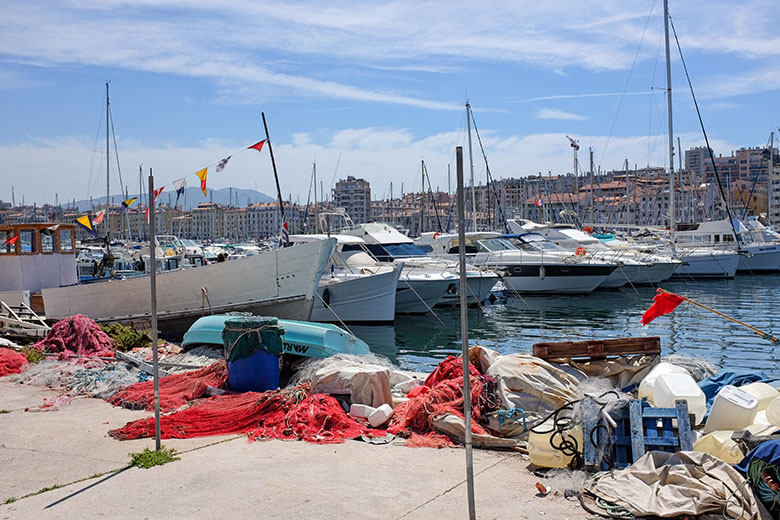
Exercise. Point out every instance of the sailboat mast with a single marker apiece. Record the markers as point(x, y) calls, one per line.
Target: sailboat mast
point(471, 168)
point(771, 175)
point(316, 204)
point(672, 214)
point(108, 163)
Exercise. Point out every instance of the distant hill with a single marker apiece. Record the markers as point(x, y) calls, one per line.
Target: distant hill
point(191, 198)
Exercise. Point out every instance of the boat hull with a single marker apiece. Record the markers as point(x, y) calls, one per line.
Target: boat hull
point(278, 283)
point(708, 265)
point(760, 259)
point(419, 295)
point(359, 299)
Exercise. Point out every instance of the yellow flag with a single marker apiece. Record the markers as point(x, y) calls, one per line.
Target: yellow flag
point(86, 222)
point(202, 176)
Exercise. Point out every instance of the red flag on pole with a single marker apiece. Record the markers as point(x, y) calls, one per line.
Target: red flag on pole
point(257, 146)
point(663, 303)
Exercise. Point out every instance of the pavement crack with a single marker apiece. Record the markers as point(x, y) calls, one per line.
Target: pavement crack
point(483, 470)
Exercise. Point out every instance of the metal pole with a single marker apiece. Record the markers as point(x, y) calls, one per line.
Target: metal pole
point(771, 190)
point(672, 214)
point(108, 163)
point(464, 334)
point(153, 281)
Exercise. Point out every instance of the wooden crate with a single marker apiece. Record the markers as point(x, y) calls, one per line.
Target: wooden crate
point(598, 348)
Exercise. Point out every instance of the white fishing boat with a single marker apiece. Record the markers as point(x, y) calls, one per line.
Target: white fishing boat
point(352, 292)
point(278, 283)
point(527, 271)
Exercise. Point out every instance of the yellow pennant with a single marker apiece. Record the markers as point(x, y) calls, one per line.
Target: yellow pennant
point(202, 176)
point(86, 222)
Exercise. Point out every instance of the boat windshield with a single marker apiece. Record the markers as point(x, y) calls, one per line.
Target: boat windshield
point(536, 242)
point(489, 245)
point(404, 250)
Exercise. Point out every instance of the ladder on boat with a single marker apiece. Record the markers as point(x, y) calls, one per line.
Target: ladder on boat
point(21, 320)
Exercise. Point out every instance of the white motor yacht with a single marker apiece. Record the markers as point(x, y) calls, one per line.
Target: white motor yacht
point(527, 271)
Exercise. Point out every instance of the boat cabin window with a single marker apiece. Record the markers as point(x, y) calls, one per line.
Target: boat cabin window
point(728, 238)
point(716, 239)
point(27, 240)
point(470, 250)
point(6, 248)
point(494, 244)
point(66, 240)
point(47, 241)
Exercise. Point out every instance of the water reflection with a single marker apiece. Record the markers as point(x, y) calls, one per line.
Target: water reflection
point(420, 342)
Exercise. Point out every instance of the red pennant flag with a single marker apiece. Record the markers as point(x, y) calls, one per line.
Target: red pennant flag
point(11, 240)
point(156, 194)
point(663, 303)
point(257, 146)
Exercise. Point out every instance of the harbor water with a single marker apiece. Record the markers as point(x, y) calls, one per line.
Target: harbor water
point(420, 342)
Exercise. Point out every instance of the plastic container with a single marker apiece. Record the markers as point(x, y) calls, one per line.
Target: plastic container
point(732, 409)
point(380, 416)
point(361, 410)
point(670, 387)
point(251, 344)
point(408, 385)
point(541, 452)
point(719, 443)
point(765, 393)
point(773, 412)
point(647, 384)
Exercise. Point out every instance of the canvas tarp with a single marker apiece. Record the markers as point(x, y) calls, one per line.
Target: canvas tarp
point(525, 383)
point(683, 483)
point(621, 372)
point(365, 383)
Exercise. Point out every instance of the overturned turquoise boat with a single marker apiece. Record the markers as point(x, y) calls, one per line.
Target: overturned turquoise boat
point(301, 338)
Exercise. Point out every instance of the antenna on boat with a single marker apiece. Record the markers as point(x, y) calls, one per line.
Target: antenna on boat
point(273, 164)
point(464, 333)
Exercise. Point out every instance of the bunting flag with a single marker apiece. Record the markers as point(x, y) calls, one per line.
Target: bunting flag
point(202, 176)
point(663, 303)
point(49, 231)
point(11, 240)
point(223, 163)
point(257, 146)
point(129, 202)
point(539, 203)
point(85, 221)
point(99, 218)
point(284, 235)
point(154, 201)
point(179, 185)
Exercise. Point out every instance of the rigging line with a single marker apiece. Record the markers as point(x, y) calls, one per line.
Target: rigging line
point(335, 171)
point(116, 154)
point(489, 177)
point(94, 146)
point(706, 139)
point(755, 181)
point(433, 200)
point(628, 81)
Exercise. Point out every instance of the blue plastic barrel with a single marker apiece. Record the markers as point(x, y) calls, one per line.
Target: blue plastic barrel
point(251, 344)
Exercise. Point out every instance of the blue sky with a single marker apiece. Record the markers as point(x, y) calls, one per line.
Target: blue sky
point(367, 89)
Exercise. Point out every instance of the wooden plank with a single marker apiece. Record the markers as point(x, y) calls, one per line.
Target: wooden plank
point(637, 426)
point(590, 418)
point(598, 348)
point(684, 426)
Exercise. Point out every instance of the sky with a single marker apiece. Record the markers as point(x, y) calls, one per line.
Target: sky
point(368, 89)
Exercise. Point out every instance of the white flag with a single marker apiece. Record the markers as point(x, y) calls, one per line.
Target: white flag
point(223, 163)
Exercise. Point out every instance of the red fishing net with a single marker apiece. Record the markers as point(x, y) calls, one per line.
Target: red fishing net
point(413, 418)
point(175, 390)
point(11, 362)
point(276, 414)
point(77, 335)
point(450, 368)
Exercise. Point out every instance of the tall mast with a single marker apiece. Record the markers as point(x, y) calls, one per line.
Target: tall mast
point(471, 168)
point(592, 199)
point(316, 207)
point(771, 190)
point(422, 196)
point(108, 162)
point(628, 197)
point(669, 116)
point(682, 184)
point(273, 164)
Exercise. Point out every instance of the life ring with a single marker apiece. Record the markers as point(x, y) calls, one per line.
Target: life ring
point(580, 251)
point(436, 235)
point(588, 229)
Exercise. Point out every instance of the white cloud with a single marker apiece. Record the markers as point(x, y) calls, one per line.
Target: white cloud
point(554, 113)
point(69, 167)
